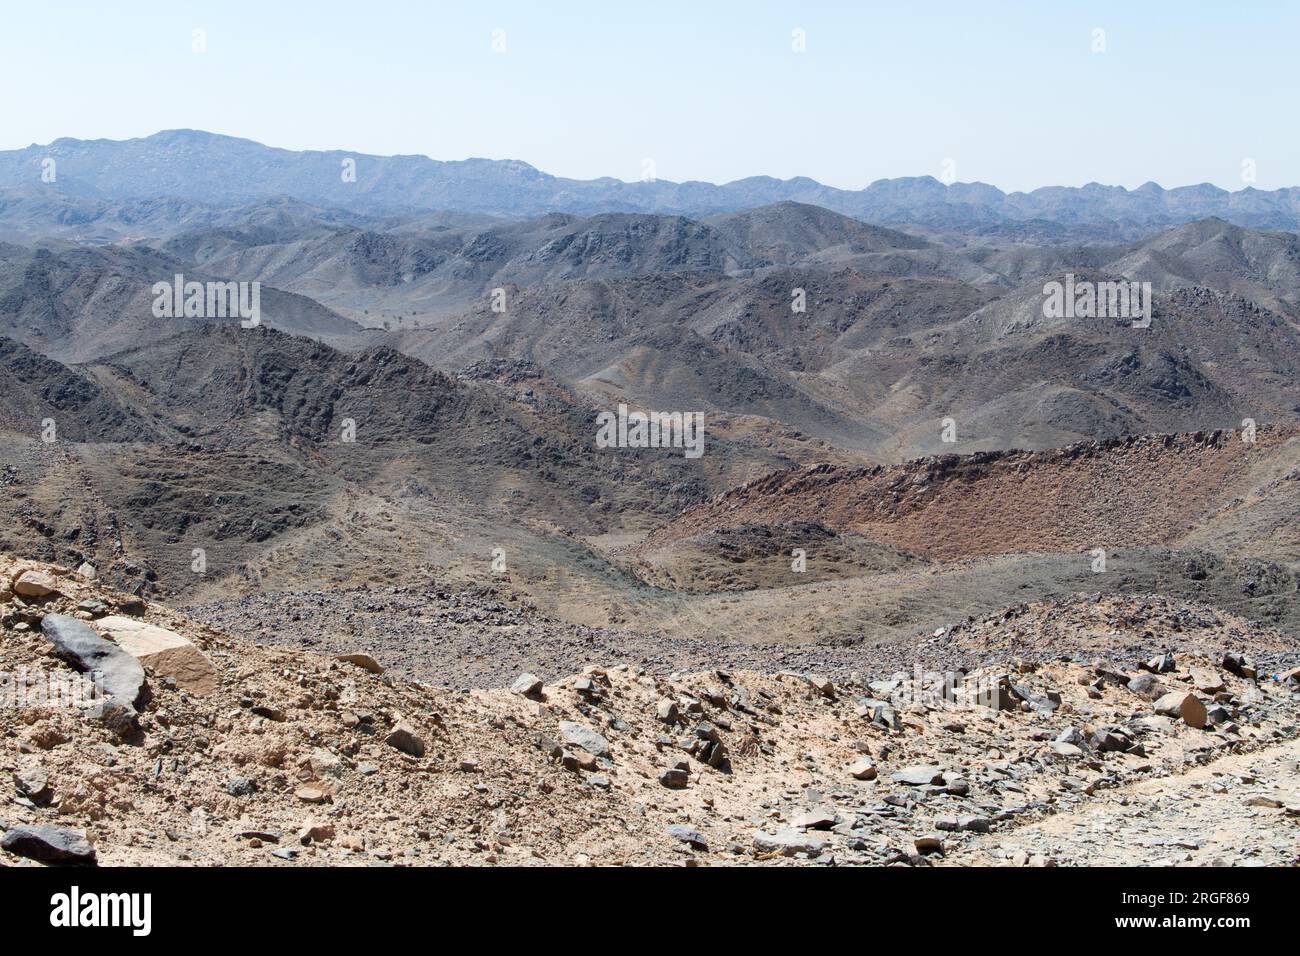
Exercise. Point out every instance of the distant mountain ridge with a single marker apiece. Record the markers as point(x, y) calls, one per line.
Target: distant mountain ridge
point(208, 168)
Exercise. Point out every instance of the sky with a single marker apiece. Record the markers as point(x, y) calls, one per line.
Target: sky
point(1019, 95)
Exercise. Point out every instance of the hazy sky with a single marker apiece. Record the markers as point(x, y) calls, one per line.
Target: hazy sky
point(1011, 92)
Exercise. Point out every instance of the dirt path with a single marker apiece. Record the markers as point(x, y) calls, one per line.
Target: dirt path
point(1214, 815)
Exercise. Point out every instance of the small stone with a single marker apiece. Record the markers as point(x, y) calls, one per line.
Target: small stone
point(1206, 681)
point(815, 819)
point(33, 783)
point(1147, 686)
point(1162, 664)
point(87, 571)
point(311, 795)
point(863, 769)
point(404, 738)
point(674, 778)
point(666, 711)
point(931, 843)
point(527, 685)
point(315, 832)
point(240, 787)
point(695, 838)
point(1267, 802)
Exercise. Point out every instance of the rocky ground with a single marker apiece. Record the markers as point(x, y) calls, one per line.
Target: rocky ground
point(1178, 744)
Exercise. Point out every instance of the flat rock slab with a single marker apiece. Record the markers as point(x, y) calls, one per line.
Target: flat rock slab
point(165, 652)
point(919, 776)
point(121, 675)
point(49, 844)
point(364, 661)
point(679, 831)
point(788, 842)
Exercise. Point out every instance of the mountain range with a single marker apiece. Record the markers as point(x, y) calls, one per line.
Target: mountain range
point(112, 186)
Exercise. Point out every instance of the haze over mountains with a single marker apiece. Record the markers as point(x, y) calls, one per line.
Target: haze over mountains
point(110, 185)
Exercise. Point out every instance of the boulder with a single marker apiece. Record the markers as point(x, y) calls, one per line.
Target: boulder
point(404, 738)
point(674, 778)
point(528, 685)
point(49, 844)
point(1147, 686)
point(1180, 703)
point(580, 735)
point(164, 652)
point(36, 584)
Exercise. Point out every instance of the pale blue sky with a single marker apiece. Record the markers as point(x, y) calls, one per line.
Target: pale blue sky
point(710, 90)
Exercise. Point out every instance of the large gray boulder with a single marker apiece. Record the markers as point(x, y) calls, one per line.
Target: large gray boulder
point(49, 844)
point(119, 674)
